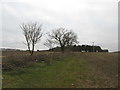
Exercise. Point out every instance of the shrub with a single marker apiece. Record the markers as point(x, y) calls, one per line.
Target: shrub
point(16, 62)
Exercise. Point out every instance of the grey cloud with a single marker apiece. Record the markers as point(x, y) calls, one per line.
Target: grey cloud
point(93, 21)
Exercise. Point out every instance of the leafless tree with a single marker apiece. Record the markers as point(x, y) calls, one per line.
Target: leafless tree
point(63, 37)
point(49, 43)
point(32, 33)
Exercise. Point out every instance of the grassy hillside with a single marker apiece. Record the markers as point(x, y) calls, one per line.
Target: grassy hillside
point(73, 70)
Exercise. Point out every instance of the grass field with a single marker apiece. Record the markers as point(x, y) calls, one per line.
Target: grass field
point(73, 70)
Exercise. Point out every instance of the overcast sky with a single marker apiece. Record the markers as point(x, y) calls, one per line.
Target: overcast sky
point(93, 20)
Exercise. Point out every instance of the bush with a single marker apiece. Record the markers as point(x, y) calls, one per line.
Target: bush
point(16, 62)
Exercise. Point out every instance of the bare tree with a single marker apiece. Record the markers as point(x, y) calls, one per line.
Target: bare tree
point(63, 37)
point(32, 33)
point(70, 38)
point(49, 43)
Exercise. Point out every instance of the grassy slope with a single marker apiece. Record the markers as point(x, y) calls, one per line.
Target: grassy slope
point(79, 70)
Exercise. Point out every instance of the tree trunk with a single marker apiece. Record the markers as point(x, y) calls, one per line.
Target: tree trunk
point(29, 48)
point(62, 49)
point(32, 50)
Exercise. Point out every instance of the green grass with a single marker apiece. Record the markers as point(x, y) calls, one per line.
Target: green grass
point(80, 70)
